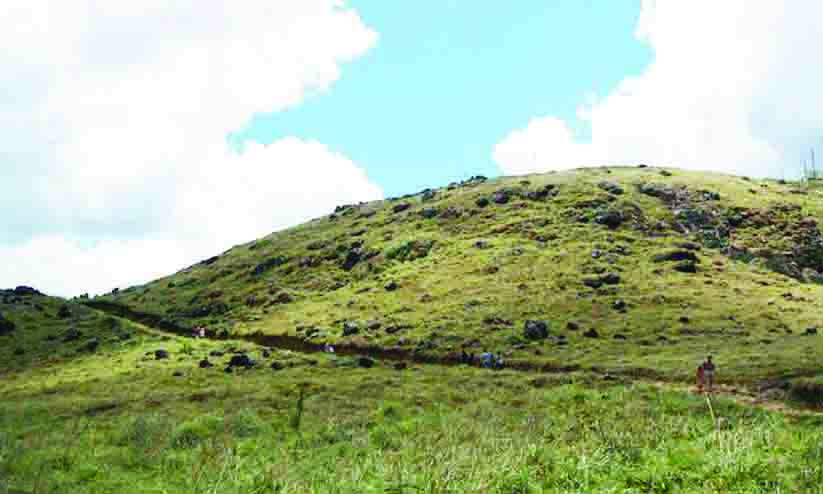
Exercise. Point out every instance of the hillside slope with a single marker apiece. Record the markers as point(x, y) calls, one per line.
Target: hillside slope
point(616, 267)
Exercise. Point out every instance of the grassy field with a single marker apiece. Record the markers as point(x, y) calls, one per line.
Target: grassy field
point(120, 421)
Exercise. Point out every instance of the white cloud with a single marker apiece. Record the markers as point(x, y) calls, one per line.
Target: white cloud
point(733, 87)
point(115, 117)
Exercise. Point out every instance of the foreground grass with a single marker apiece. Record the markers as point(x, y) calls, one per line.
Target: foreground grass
point(121, 422)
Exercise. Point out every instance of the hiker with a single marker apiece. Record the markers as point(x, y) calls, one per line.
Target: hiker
point(202, 332)
point(499, 361)
point(701, 378)
point(486, 360)
point(708, 372)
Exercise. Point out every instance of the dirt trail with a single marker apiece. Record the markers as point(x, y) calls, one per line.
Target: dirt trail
point(161, 326)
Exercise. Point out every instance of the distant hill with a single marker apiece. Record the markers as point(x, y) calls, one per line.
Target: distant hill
point(622, 267)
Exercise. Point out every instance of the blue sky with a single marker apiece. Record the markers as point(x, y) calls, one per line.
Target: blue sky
point(448, 79)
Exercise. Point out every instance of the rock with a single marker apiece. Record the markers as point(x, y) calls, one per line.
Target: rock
point(592, 282)
point(536, 330)
point(596, 253)
point(269, 263)
point(391, 286)
point(684, 319)
point(216, 353)
point(708, 195)
point(350, 328)
point(810, 331)
point(620, 305)
point(619, 336)
point(428, 195)
point(401, 366)
point(491, 269)
point(205, 364)
point(481, 244)
point(451, 212)
point(686, 267)
point(501, 197)
point(177, 374)
point(690, 246)
point(676, 255)
point(399, 208)
point(283, 298)
point(352, 258)
point(277, 366)
point(6, 327)
point(91, 345)
point(572, 326)
point(591, 333)
point(610, 278)
point(241, 360)
point(666, 173)
point(482, 202)
point(429, 213)
point(161, 354)
point(360, 232)
point(365, 362)
point(373, 325)
point(611, 219)
point(228, 370)
point(610, 187)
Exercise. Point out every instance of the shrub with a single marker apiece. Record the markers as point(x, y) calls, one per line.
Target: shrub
point(194, 432)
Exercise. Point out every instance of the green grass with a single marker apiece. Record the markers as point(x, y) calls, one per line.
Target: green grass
point(538, 254)
point(127, 427)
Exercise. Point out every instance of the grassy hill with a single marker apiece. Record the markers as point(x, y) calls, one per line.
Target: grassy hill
point(621, 278)
point(637, 270)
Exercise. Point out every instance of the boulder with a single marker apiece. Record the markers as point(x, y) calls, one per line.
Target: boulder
point(352, 258)
point(266, 353)
point(686, 267)
point(429, 213)
point(177, 373)
point(161, 354)
point(810, 331)
point(592, 282)
point(572, 326)
point(676, 255)
point(544, 192)
point(451, 212)
point(399, 208)
point(611, 278)
point(501, 197)
point(350, 328)
point(481, 244)
point(611, 219)
point(591, 333)
point(216, 353)
point(482, 202)
point(619, 336)
point(610, 187)
point(373, 325)
point(241, 360)
point(277, 366)
point(620, 305)
point(360, 232)
point(205, 364)
point(391, 286)
point(428, 195)
point(536, 330)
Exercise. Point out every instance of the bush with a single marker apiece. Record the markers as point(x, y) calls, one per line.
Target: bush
point(194, 432)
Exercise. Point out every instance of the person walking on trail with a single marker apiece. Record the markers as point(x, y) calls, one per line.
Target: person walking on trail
point(701, 378)
point(486, 360)
point(708, 372)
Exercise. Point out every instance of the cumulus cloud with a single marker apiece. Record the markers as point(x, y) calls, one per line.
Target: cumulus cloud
point(115, 166)
point(733, 87)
